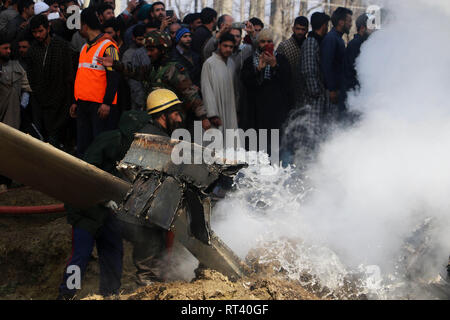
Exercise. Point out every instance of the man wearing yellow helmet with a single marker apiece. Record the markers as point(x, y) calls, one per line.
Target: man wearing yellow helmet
point(162, 117)
point(166, 110)
point(149, 245)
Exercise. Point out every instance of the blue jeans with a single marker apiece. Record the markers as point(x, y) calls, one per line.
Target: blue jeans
point(110, 254)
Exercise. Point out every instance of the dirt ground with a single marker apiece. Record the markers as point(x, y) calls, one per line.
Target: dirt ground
point(25, 197)
point(35, 249)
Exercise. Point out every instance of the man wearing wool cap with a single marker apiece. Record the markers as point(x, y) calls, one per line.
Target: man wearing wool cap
point(183, 54)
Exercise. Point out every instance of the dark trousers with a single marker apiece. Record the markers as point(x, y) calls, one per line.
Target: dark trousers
point(110, 256)
point(46, 122)
point(89, 124)
point(149, 249)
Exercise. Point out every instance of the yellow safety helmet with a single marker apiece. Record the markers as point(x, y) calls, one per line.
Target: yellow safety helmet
point(160, 100)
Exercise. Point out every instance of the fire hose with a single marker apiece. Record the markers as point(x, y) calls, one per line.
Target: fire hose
point(32, 210)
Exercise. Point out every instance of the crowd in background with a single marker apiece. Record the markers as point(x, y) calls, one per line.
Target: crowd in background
point(88, 91)
point(227, 74)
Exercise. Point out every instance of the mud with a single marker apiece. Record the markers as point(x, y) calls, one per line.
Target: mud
point(34, 251)
point(24, 197)
point(211, 285)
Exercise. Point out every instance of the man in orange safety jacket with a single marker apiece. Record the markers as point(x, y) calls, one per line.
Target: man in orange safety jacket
point(95, 104)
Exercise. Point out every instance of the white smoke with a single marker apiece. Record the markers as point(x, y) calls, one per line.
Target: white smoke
point(374, 182)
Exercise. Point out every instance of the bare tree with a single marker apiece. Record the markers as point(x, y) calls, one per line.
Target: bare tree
point(217, 4)
point(288, 13)
point(183, 7)
point(242, 10)
point(261, 9)
point(276, 20)
point(253, 9)
point(227, 7)
point(303, 8)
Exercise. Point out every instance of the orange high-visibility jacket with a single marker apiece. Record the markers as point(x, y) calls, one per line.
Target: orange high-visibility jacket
point(90, 83)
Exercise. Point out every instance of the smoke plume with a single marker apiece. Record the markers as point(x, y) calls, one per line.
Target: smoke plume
point(374, 182)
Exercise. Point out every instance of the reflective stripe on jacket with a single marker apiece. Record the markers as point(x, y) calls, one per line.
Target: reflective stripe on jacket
point(90, 83)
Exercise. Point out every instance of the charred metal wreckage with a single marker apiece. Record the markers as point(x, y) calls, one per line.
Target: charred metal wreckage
point(172, 197)
point(177, 198)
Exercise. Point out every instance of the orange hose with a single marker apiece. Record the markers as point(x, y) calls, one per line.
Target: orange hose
point(24, 211)
point(32, 210)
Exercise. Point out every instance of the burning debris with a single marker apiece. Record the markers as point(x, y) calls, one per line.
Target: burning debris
point(177, 198)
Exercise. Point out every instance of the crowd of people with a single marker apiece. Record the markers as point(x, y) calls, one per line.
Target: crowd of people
point(88, 91)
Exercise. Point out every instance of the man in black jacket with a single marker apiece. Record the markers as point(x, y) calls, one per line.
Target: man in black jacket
point(50, 72)
point(350, 78)
point(19, 25)
point(183, 54)
point(205, 31)
point(332, 50)
point(352, 53)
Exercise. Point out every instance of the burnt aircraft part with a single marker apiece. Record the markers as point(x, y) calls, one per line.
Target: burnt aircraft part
point(215, 256)
point(166, 203)
point(198, 215)
point(150, 152)
point(143, 190)
point(56, 173)
point(192, 223)
point(153, 200)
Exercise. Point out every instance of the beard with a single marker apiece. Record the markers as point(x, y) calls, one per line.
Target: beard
point(172, 126)
point(5, 58)
point(186, 46)
point(365, 36)
point(42, 40)
point(226, 54)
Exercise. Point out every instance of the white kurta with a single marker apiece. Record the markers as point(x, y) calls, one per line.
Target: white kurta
point(218, 91)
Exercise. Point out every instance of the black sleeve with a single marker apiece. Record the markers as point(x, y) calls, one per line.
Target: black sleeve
point(284, 76)
point(112, 85)
point(250, 75)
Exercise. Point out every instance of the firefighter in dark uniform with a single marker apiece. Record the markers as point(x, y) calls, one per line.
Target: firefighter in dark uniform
point(164, 115)
point(149, 245)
